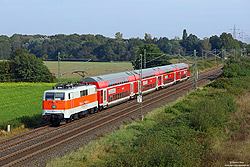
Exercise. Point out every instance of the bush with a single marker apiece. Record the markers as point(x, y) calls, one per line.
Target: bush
point(162, 145)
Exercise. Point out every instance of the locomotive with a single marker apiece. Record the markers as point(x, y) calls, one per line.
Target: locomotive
point(67, 102)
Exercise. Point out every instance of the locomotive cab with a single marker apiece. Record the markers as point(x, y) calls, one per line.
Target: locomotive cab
point(69, 103)
point(54, 104)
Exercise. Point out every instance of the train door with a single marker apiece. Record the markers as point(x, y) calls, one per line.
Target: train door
point(157, 80)
point(71, 97)
point(132, 91)
point(159, 83)
point(136, 87)
point(105, 97)
point(162, 80)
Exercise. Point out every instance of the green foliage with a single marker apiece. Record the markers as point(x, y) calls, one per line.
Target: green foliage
point(211, 111)
point(248, 48)
point(100, 48)
point(152, 54)
point(161, 146)
point(237, 68)
point(184, 35)
point(27, 68)
point(5, 47)
point(5, 71)
point(235, 77)
point(21, 103)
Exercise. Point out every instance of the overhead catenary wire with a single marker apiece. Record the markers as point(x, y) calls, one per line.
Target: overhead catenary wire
point(76, 67)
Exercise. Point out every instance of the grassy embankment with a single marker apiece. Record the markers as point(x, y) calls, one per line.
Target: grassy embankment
point(21, 104)
point(208, 127)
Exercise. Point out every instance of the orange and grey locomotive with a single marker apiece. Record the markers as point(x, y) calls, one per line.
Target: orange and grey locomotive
point(67, 102)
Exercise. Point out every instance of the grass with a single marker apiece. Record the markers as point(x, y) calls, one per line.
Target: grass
point(233, 143)
point(21, 103)
point(92, 68)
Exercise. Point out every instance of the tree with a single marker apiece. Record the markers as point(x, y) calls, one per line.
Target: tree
point(191, 43)
point(215, 42)
point(227, 41)
point(16, 41)
point(5, 47)
point(148, 38)
point(5, 71)
point(27, 68)
point(118, 36)
point(152, 52)
point(206, 45)
point(164, 45)
point(248, 48)
point(184, 35)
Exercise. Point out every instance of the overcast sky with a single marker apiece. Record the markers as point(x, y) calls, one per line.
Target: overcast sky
point(133, 18)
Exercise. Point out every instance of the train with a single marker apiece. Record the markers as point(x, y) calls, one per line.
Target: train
point(68, 102)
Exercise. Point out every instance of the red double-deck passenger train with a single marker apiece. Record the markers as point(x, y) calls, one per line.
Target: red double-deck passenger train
point(92, 94)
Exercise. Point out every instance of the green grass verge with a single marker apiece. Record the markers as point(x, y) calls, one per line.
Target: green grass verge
point(21, 103)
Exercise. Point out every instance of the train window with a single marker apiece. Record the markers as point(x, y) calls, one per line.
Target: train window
point(101, 92)
point(118, 95)
point(86, 92)
point(59, 96)
point(109, 98)
point(54, 96)
point(83, 93)
point(49, 96)
point(69, 95)
point(115, 96)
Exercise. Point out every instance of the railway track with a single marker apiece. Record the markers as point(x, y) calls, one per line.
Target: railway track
point(12, 155)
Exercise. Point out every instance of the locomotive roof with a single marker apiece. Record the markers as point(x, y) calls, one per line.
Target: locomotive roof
point(145, 72)
point(70, 89)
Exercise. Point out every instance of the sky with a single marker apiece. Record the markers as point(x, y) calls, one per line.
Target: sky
point(133, 18)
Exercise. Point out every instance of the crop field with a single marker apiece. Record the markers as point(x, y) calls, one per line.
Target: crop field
point(92, 68)
point(21, 100)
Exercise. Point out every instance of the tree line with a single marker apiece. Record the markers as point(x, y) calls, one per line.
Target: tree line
point(26, 52)
point(101, 48)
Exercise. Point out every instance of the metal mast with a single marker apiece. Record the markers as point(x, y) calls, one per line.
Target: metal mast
point(59, 68)
point(195, 72)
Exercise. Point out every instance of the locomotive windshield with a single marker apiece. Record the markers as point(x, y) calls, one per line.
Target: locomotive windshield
point(54, 96)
